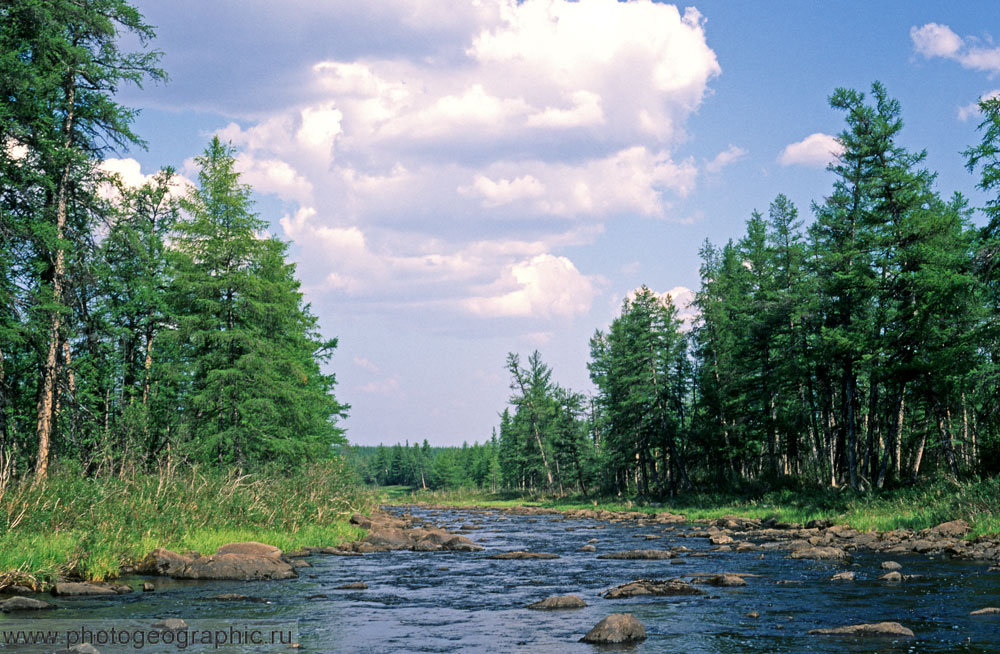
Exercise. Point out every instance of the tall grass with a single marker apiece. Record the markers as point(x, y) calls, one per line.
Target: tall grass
point(73, 525)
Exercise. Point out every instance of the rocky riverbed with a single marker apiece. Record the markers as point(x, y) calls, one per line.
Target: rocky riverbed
point(437, 579)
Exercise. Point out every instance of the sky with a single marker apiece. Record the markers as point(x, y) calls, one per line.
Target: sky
point(459, 180)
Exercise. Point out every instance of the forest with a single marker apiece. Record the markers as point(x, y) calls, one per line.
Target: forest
point(859, 351)
point(138, 325)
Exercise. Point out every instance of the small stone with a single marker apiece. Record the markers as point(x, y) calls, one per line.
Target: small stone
point(989, 610)
point(753, 614)
point(616, 628)
point(357, 585)
point(148, 587)
point(170, 624)
point(558, 602)
point(587, 548)
point(83, 648)
point(891, 577)
point(891, 565)
point(523, 555)
point(877, 629)
point(847, 575)
point(726, 580)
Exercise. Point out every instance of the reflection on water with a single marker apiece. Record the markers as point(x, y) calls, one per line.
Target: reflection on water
point(462, 602)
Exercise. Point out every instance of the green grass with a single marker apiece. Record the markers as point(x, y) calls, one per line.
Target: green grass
point(89, 527)
point(916, 507)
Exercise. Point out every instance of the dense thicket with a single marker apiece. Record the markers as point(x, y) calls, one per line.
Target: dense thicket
point(862, 351)
point(134, 323)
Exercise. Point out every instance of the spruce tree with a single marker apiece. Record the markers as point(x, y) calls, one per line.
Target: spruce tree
point(257, 393)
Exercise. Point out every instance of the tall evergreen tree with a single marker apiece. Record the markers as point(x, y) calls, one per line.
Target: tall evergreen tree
point(257, 394)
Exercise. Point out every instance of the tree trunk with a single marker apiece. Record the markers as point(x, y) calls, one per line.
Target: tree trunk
point(50, 370)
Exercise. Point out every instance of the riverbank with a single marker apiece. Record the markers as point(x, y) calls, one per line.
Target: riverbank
point(72, 526)
point(915, 508)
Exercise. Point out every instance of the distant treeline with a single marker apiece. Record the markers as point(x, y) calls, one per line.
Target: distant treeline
point(425, 467)
point(862, 351)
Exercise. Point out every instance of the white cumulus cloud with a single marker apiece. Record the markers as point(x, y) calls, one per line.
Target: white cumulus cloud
point(935, 40)
point(971, 110)
point(541, 287)
point(730, 155)
point(816, 150)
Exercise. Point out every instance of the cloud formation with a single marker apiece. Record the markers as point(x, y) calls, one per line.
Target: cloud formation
point(816, 151)
point(935, 40)
point(730, 155)
point(971, 110)
point(455, 178)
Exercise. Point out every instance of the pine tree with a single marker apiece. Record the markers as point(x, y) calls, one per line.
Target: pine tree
point(257, 394)
point(60, 65)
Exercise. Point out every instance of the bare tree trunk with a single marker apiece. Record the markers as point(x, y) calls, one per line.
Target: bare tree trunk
point(50, 371)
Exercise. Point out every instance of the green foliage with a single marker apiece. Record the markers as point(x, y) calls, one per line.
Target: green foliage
point(250, 346)
point(91, 526)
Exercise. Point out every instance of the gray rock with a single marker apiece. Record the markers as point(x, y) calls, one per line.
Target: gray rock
point(245, 567)
point(558, 602)
point(891, 565)
point(587, 548)
point(24, 604)
point(953, 529)
point(83, 648)
point(639, 555)
point(847, 575)
point(726, 580)
point(170, 624)
point(640, 587)
point(79, 588)
point(884, 629)
point(148, 587)
point(523, 555)
point(820, 553)
point(162, 562)
point(616, 628)
point(891, 577)
point(989, 610)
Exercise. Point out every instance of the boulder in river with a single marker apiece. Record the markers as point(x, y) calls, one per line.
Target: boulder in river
point(989, 610)
point(250, 561)
point(660, 588)
point(726, 580)
point(639, 555)
point(558, 602)
point(80, 588)
point(523, 555)
point(24, 604)
point(883, 629)
point(162, 562)
point(587, 548)
point(820, 554)
point(891, 577)
point(846, 575)
point(616, 628)
point(890, 565)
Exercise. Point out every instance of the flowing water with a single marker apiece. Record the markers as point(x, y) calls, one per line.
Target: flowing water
point(462, 602)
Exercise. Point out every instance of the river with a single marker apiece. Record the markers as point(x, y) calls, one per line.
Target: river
point(463, 602)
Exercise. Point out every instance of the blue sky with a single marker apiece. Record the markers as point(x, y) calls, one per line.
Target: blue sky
point(459, 180)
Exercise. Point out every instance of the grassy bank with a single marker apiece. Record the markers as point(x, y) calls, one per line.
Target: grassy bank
point(905, 508)
point(72, 525)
